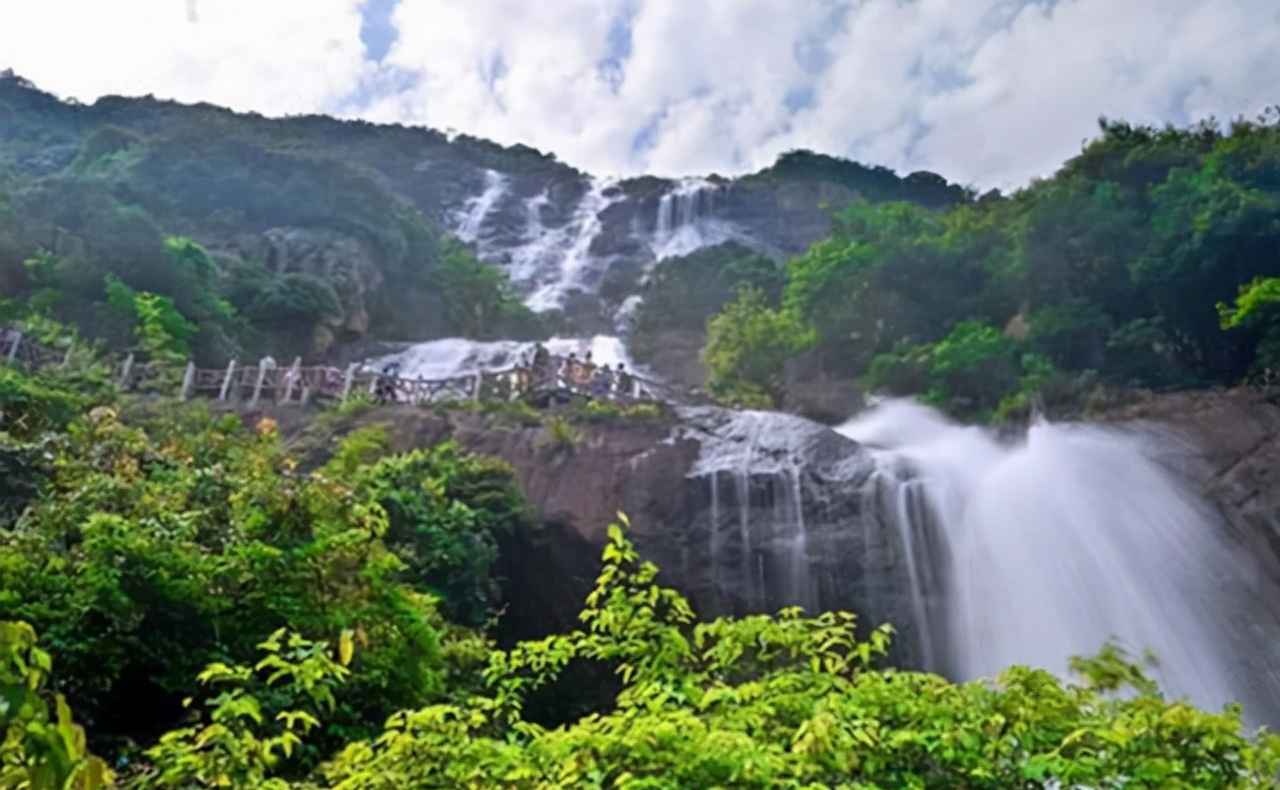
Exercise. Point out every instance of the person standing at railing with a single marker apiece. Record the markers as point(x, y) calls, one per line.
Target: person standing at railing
point(385, 390)
point(522, 376)
point(542, 372)
point(601, 382)
point(586, 374)
point(623, 382)
point(569, 371)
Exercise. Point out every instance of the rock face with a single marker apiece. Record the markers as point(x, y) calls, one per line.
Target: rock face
point(343, 261)
point(742, 511)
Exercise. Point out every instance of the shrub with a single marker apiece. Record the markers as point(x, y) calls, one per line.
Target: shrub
point(43, 747)
point(446, 510)
point(559, 434)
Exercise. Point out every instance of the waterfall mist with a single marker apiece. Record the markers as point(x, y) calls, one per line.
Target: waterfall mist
point(1039, 549)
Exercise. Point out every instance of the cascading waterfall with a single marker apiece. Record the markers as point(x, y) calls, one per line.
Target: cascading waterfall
point(544, 263)
point(685, 203)
point(574, 257)
point(686, 221)
point(1062, 541)
point(471, 218)
point(798, 572)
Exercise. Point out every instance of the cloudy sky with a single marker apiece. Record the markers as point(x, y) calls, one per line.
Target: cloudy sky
point(986, 92)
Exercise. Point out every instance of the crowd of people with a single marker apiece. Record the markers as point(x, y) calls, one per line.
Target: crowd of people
point(538, 372)
point(580, 375)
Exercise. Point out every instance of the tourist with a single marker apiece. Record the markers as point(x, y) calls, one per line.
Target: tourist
point(601, 382)
point(522, 376)
point(540, 372)
point(385, 389)
point(569, 370)
point(623, 382)
point(586, 372)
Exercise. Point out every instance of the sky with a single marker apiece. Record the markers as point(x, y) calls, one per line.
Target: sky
point(989, 93)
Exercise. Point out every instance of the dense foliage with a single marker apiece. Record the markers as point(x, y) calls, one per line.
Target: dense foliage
point(760, 701)
point(144, 548)
point(445, 510)
point(299, 241)
point(682, 292)
point(1111, 272)
point(747, 345)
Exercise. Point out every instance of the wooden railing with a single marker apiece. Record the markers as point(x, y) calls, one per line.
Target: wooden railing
point(297, 384)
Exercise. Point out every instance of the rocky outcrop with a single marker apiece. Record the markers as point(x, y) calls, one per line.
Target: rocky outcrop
point(343, 262)
point(742, 511)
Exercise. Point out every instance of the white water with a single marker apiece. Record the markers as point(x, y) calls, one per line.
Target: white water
point(1057, 543)
point(551, 258)
point(471, 218)
point(686, 219)
point(545, 263)
point(570, 248)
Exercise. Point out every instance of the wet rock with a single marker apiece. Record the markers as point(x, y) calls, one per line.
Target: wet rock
point(742, 511)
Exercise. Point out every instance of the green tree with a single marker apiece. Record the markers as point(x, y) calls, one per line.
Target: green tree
point(1257, 309)
point(748, 343)
point(446, 512)
point(161, 332)
point(478, 299)
point(967, 373)
point(154, 551)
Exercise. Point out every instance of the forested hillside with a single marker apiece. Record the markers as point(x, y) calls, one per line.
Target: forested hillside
point(263, 235)
point(1149, 260)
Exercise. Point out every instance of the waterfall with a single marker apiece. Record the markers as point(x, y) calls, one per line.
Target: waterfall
point(690, 199)
point(574, 248)
point(544, 263)
point(685, 220)
point(472, 216)
point(754, 464)
point(1057, 543)
point(742, 480)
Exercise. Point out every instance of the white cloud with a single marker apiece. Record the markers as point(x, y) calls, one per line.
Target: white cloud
point(993, 94)
point(280, 57)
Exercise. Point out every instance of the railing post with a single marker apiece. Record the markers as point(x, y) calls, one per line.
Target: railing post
point(226, 380)
point(16, 340)
point(263, 365)
point(188, 381)
point(479, 382)
point(295, 372)
point(125, 370)
point(348, 381)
